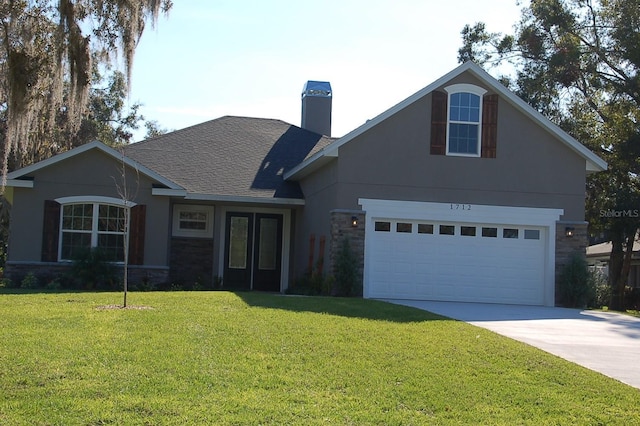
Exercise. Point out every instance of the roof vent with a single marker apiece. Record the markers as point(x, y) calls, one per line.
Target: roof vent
point(316, 107)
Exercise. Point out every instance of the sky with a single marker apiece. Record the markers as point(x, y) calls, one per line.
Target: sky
point(251, 58)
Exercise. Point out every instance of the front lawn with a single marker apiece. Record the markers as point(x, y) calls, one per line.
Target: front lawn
point(249, 358)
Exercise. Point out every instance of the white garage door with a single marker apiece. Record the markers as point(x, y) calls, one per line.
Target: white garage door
point(457, 261)
point(474, 261)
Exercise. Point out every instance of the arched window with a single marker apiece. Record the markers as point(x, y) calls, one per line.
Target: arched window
point(464, 120)
point(92, 223)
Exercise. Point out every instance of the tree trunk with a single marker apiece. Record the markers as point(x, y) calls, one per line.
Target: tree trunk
point(626, 267)
point(619, 267)
point(616, 278)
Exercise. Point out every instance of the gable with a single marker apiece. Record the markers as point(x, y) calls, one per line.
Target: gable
point(73, 166)
point(392, 160)
point(468, 73)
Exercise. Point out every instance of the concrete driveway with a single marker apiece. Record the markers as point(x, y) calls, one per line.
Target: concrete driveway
point(601, 341)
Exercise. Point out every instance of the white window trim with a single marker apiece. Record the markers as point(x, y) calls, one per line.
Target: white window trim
point(195, 233)
point(88, 199)
point(96, 201)
point(464, 88)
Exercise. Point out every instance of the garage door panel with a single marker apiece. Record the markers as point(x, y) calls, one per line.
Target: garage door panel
point(457, 267)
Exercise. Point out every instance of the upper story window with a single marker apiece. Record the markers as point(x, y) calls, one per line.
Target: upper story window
point(92, 225)
point(464, 122)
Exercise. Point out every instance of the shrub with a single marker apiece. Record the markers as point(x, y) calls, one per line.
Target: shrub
point(30, 281)
point(54, 285)
point(144, 285)
point(346, 272)
point(91, 270)
point(632, 298)
point(176, 287)
point(8, 283)
point(199, 284)
point(312, 284)
point(601, 289)
point(575, 286)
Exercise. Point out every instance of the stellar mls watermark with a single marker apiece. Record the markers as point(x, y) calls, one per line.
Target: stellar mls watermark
point(620, 213)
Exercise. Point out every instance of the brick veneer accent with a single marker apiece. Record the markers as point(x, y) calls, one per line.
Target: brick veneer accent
point(341, 228)
point(567, 246)
point(47, 271)
point(191, 260)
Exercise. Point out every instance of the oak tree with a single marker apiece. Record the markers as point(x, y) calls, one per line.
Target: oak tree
point(49, 51)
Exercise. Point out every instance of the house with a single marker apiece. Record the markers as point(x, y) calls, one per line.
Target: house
point(598, 258)
point(461, 192)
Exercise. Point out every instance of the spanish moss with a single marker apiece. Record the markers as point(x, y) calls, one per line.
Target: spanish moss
point(49, 49)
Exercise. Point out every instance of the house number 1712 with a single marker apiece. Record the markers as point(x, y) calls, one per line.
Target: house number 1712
point(460, 206)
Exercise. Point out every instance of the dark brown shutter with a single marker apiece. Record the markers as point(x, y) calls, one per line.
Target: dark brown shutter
point(438, 123)
point(50, 231)
point(136, 234)
point(489, 126)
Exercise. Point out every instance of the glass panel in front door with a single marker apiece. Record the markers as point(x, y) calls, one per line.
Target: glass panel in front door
point(238, 242)
point(267, 255)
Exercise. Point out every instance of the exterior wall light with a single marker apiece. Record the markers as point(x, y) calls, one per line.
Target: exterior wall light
point(569, 232)
point(354, 221)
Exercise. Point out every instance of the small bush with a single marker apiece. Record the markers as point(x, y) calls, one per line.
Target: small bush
point(30, 281)
point(176, 287)
point(575, 285)
point(632, 298)
point(346, 272)
point(144, 285)
point(91, 270)
point(54, 285)
point(8, 283)
point(199, 284)
point(601, 289)
point(312, 284)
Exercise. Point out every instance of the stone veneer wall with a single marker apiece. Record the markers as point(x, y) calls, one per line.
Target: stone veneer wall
point(567, 246)
point(341, 228)
point(191, 260)
point(48, 271)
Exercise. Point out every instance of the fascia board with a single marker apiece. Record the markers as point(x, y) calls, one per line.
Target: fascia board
point(311, 165)
point(244, 200)
point(181, 193)
point(168, 192)
point(19, 183)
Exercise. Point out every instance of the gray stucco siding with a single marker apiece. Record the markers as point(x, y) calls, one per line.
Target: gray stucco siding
point(91, 173)
point(392, 160)
point(319, 189)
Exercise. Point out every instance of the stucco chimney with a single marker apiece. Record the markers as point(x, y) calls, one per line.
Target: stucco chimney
point(316, 107)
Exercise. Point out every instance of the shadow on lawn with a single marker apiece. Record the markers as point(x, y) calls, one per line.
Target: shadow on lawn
point(340, 306)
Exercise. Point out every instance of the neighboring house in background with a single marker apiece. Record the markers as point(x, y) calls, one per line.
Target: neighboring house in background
point(461, 192)
point(598, 257)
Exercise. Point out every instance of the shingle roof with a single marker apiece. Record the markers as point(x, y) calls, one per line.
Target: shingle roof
point(231, 156)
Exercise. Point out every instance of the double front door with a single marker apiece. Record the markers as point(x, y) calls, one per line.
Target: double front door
point(253, 251)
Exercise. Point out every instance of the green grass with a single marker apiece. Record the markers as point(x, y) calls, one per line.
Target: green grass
point(224, 358)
